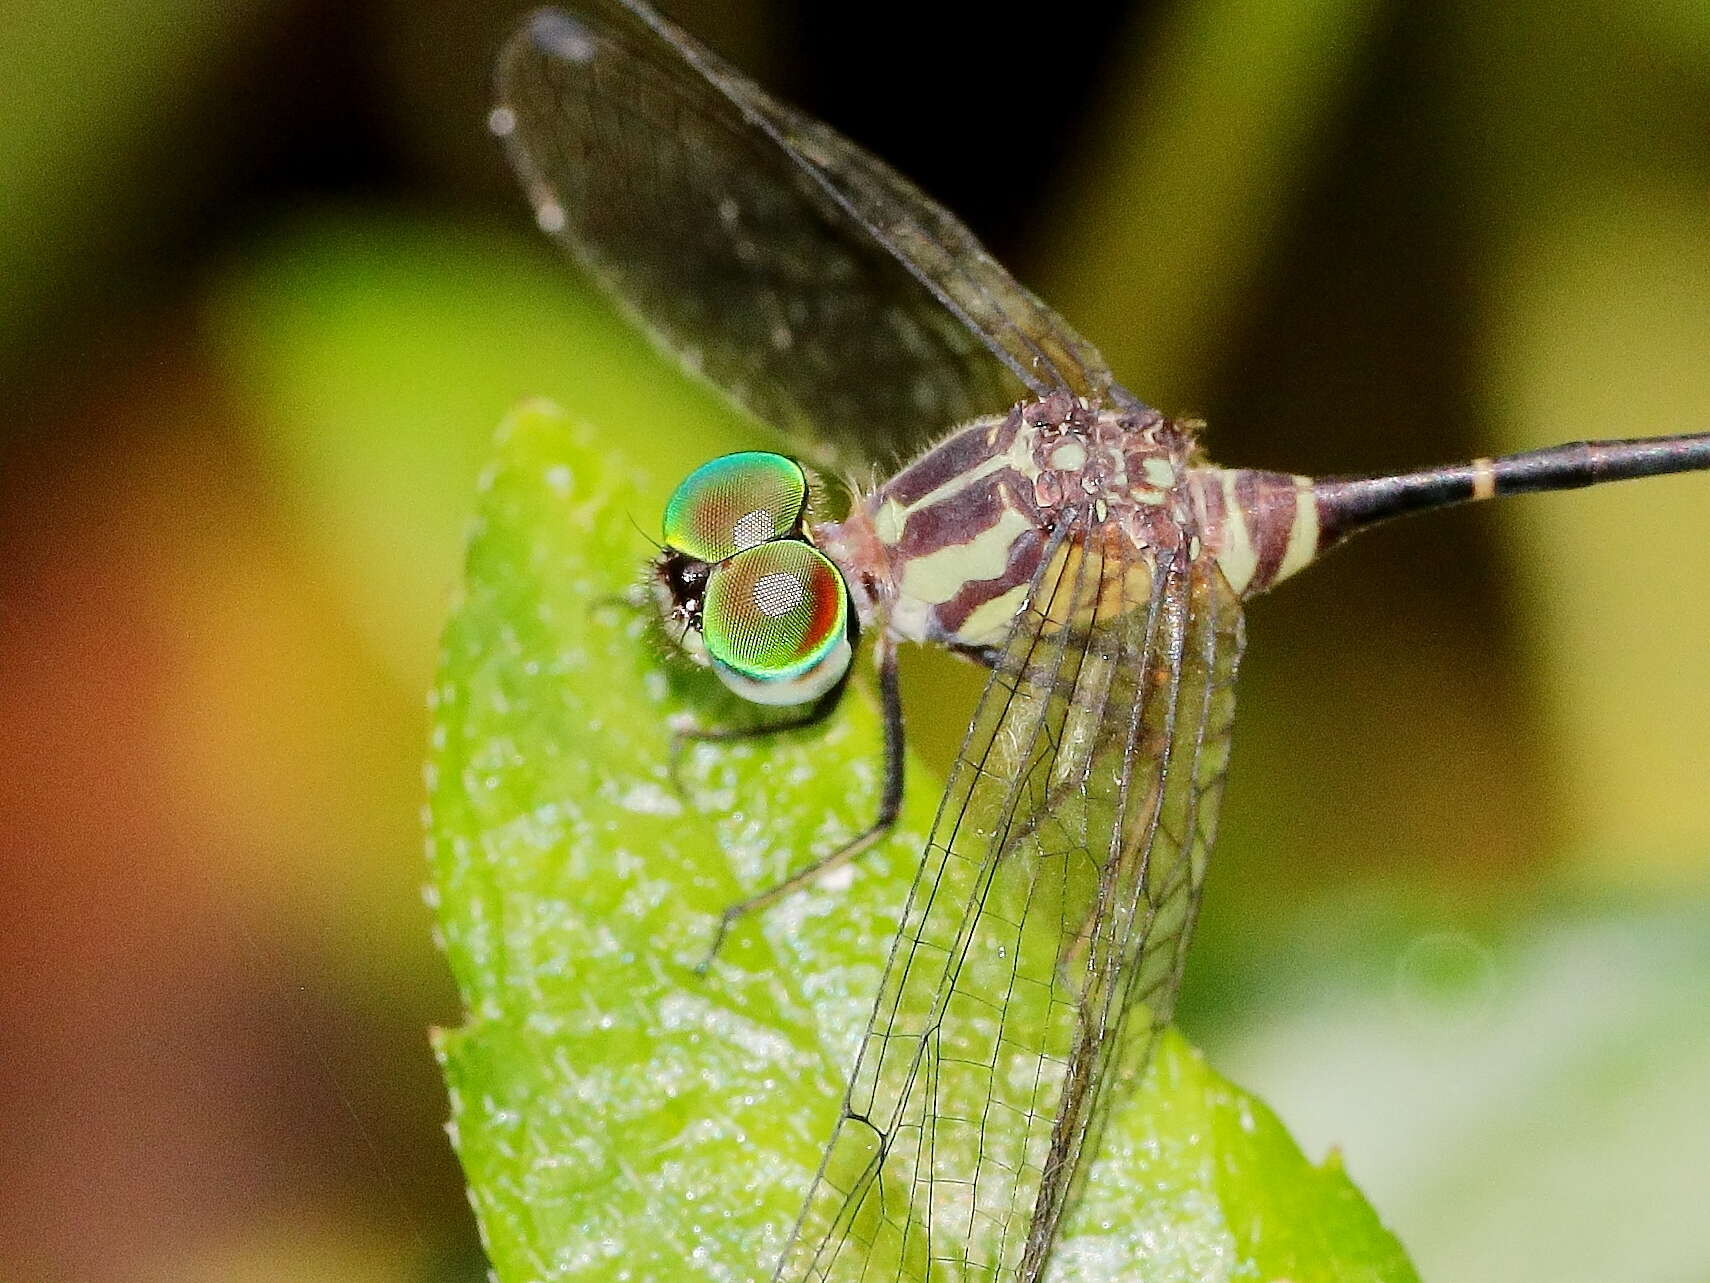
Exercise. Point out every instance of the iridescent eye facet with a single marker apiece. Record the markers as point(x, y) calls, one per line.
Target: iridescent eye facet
point(775, 623)
point(735, 502)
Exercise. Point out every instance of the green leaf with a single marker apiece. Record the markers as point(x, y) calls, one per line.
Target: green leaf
point(619, 1116)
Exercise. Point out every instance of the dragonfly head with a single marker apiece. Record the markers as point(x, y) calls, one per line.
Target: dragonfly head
point(751, 596)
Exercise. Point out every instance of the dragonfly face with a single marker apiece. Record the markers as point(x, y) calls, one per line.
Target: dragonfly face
point(1065, 535)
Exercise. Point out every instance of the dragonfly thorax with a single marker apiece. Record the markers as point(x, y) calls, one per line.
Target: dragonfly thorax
point(945, 552)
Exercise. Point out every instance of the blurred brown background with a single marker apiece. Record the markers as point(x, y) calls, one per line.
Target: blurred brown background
point(267, 290)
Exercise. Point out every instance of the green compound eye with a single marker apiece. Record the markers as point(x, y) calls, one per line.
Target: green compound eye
point(735, 502)
point(776, 623)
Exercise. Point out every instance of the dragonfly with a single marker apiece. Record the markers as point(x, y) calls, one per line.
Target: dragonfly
point(1055, 529)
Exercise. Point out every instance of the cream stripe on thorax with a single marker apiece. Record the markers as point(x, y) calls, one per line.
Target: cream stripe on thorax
point(935, 576)
point(888, 521)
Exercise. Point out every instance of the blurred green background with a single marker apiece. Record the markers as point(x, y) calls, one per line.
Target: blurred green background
point(267, 292)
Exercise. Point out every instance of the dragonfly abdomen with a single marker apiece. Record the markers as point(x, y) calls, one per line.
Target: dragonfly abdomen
point(1262, 526)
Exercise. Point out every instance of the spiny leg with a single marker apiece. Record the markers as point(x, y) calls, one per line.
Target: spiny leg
point(890, 805)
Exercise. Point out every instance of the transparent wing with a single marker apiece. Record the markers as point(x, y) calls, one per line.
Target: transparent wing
point(821, 291)
point(1042, 942)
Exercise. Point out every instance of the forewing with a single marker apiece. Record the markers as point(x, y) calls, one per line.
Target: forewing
point(1144, 912)
point(822, 292)
point(1042, 942)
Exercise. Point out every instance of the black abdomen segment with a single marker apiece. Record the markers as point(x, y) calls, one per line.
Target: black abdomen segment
point(1347, 504)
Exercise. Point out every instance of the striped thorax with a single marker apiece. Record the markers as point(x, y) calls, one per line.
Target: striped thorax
point(945, 551)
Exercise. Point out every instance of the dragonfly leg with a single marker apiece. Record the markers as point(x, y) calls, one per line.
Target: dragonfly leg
point(890, 805)
point(684, 732)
